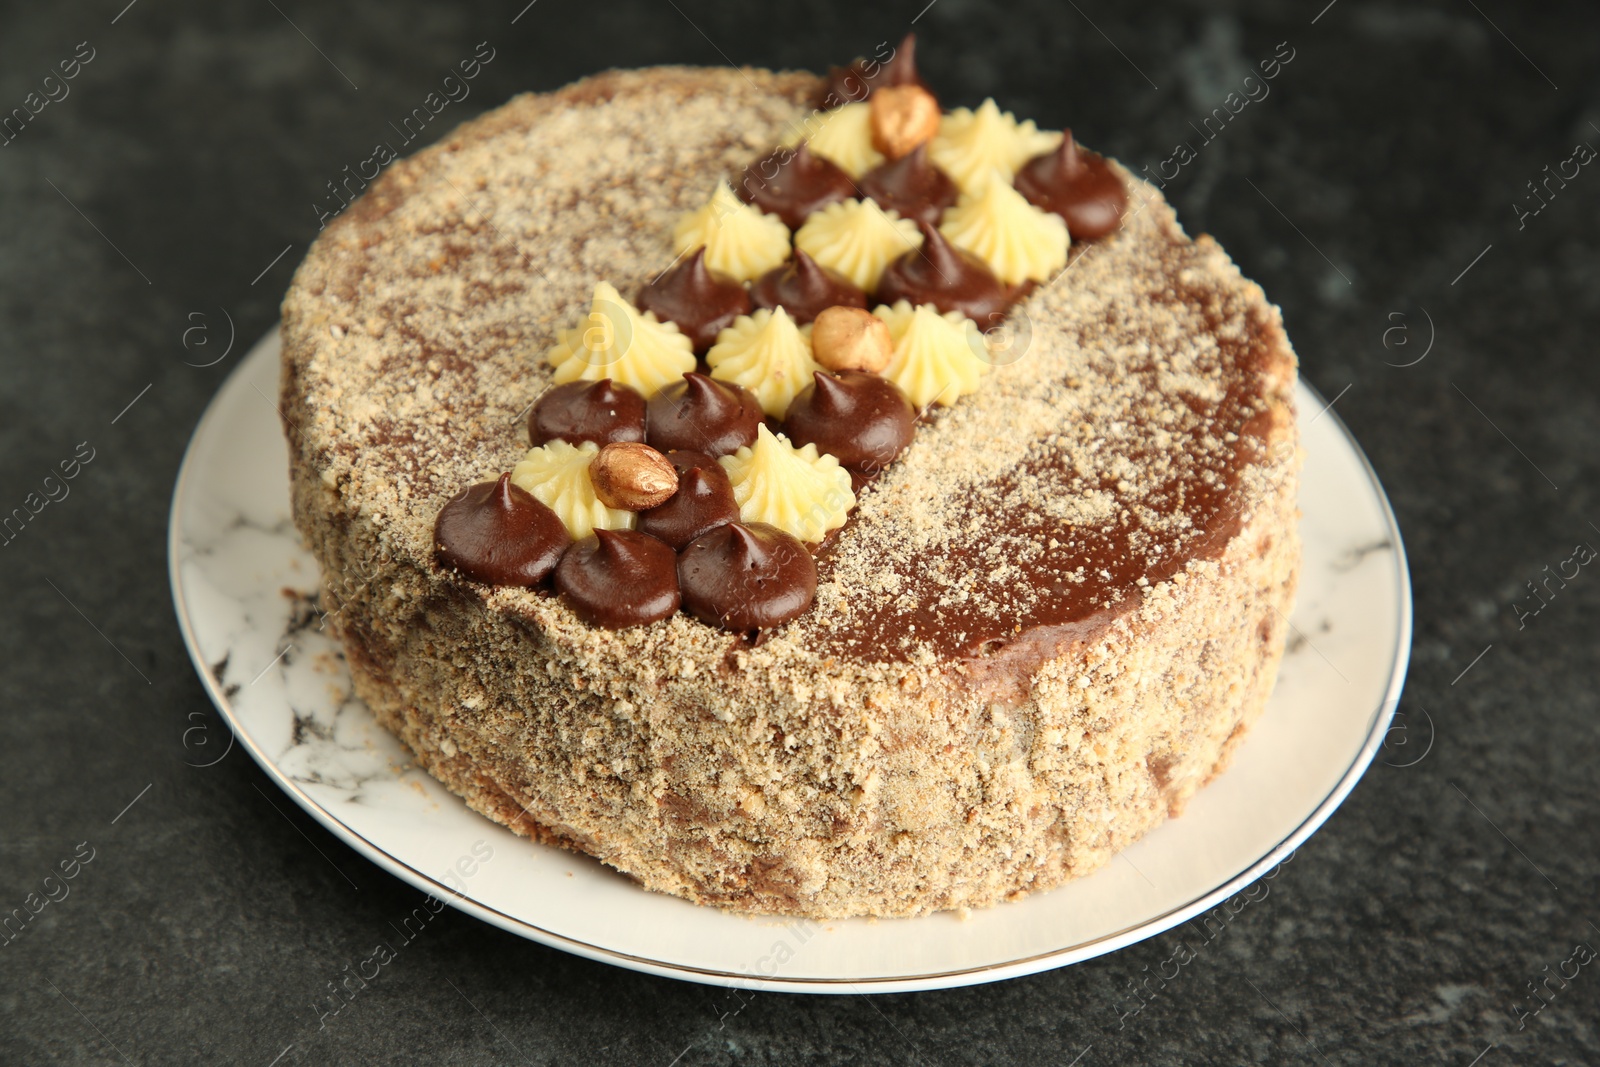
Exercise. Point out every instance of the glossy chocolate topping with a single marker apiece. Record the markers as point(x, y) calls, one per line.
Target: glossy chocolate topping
point(861, 419)
point(911, 186)
point(805, 289)
point(746, 577)
point(855, 83)
point(619, 578)
point(704, 499)
point(498, 533)
point(1092, 577)
point(950, 279)
point(791, 183)
point(575, 412)
point(701, 303)
point(1078, 185)
point(702, 414)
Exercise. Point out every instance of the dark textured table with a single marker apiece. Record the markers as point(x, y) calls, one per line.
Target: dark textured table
point(1379, 188)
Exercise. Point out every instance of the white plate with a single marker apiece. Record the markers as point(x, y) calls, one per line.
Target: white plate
point(242, 581)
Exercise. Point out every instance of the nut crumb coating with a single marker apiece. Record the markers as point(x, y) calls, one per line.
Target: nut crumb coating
point(1046, 625)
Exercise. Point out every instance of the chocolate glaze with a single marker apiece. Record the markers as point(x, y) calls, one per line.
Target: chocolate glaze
point(702, 304)
point(950, 279)
point(852, 84)
point(804, 289)
point(1076, 184)
point(861, 419)
point(601, 412)
point(746, 577)
point(1083, 602)
point(704, 500)
point(911, 186)
point(619, 578)
point(702, 414)
point(791, 183)
point(499, 533)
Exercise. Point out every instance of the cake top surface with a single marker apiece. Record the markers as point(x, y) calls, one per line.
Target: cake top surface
point(1115, 440)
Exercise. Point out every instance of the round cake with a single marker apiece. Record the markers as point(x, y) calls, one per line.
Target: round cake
point(1041, 628)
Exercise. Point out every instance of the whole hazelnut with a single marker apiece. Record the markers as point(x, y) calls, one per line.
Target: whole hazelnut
point(847, 338)
point(632, 476)
point(903, 117)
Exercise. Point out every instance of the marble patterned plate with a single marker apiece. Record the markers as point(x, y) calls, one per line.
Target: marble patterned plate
point(246, 595)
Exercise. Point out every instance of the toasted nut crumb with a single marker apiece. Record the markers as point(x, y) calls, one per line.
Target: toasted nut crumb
point(903, 117)
point(847, 338)
point(632, 476)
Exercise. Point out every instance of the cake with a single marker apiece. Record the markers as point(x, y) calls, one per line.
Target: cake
point(1049, 609)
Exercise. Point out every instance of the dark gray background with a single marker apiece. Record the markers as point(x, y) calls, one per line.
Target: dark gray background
point(1389, 155)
